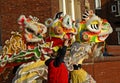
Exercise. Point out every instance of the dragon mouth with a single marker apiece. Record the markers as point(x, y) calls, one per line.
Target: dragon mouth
point(103, 37)
point(89, 36)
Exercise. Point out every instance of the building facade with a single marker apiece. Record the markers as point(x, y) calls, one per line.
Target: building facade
point(43, 9)
point(110, 9)
point(10, 10)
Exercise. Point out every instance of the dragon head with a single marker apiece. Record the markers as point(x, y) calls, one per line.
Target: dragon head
point(61, 26)
point(93, 28)
point(33, 31)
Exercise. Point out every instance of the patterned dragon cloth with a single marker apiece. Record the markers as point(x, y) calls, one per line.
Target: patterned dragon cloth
point(31, 47)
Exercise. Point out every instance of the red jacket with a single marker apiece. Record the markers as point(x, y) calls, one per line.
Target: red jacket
point(57, 74)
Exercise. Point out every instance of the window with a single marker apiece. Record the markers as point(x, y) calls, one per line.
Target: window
point(97, 4)
point(71, 7)
point(118, 31)
point(118, 7)
point(113, 7)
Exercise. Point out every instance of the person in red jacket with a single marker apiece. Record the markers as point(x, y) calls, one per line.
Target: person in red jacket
point(57, 70)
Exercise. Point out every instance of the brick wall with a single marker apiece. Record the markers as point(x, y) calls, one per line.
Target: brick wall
point(43, 9)
point(12, 9)
point(54, 7)
point(107, 72)
point(104, 69)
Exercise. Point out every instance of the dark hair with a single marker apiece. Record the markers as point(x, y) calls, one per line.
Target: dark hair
point(79, 65)
point(75, 67)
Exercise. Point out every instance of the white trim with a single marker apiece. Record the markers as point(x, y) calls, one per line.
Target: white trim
point(64, 6)
point(118, 37)
point(118, 34)
point(97, 4)
point(72, 9)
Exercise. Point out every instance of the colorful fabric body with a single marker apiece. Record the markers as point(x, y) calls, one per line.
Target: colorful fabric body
point(27, 73)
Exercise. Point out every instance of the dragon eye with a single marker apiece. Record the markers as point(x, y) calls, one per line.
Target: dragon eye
point(67, 22)
point(30, 30)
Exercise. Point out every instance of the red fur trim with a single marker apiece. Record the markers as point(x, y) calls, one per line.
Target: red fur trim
point(56, 41)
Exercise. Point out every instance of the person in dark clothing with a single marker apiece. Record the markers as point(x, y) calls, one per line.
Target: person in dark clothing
point(57, 70)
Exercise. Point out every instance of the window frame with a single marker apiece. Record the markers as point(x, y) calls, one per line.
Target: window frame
point(118, 34)
point(72, 5)
point(97, 4)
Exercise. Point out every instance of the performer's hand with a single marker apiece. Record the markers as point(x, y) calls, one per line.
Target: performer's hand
point(66, 43)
